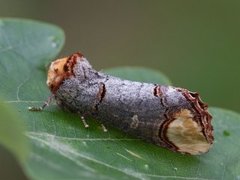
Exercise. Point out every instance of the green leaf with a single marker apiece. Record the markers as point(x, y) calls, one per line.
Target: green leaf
point(25, 48)
point(139, 74)
point(63, 149)
point(12, 132)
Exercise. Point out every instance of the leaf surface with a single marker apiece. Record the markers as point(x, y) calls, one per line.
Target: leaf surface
point(12, 132)
point(62, 148)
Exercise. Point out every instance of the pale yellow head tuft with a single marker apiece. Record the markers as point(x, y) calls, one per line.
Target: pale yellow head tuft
point(62, 69)
point(56, 73)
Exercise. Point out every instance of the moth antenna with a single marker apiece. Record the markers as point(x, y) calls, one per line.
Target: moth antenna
point(41, 108)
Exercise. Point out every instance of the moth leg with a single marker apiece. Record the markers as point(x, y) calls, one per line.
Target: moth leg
point(84, 122)
point(45, 104)
point(104, 128)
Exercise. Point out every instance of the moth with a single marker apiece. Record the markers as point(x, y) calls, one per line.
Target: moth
point(167, 116)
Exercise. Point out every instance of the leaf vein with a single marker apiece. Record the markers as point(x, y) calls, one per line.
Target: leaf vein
point(47, 135)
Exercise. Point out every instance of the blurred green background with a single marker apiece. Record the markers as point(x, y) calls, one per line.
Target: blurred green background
point(195, 43)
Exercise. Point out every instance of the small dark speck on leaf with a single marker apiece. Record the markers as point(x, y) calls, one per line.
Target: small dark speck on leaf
point(226, 133)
